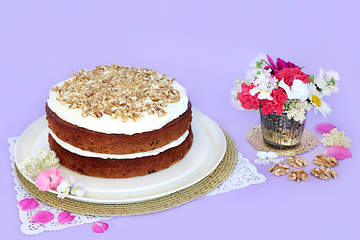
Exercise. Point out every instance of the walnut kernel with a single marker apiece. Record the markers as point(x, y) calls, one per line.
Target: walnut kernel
point(279, 169)
point(322, 160)
point(297, 162)
point(324, 173)
point(299, 175)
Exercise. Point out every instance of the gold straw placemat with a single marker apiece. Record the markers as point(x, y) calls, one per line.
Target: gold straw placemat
point(188, 194)
point(308, 142)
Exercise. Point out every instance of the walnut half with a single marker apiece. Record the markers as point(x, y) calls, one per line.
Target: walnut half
point(279, 169)
point(299, 175)
point(297, 162)
point(324, 173)
point(322, 160)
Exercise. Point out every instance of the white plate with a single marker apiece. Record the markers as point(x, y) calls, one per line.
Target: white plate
point(208, 149)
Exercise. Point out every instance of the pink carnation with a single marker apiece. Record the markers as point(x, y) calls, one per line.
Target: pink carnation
point(247, 100)
point(48, 180)
point(290, 74)
point(276, 105)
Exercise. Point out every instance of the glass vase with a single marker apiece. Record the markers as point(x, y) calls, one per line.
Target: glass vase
point(279, 131)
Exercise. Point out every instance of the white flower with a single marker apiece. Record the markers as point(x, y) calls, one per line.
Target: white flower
point(317, 101)
point(299, 90)
point(320, 81)
point(67, 187)
point(78, 190)
point(234, 99)
point(277, 160)
point(32, 166)
point(272, 156)
point(327, 86)
point(329, 89)
point(298, 111)
point(332, 75)
point(263, 90)
point(64, 188)
point(324, 108)
point(250, 75)
point(257, 61)
point(263, 158)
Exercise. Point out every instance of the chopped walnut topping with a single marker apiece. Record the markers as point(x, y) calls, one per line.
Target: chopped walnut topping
point(324, 173)
point(279, 169)
point(121, 92)
point(297, 162)
point(299, 175)
point(322, 160)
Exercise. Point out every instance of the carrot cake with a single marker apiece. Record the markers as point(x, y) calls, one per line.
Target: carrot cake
point(119, 122)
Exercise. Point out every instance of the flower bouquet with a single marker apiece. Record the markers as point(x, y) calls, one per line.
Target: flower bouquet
point(282, 94)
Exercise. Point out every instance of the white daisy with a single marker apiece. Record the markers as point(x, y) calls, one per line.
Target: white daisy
point(317, 101)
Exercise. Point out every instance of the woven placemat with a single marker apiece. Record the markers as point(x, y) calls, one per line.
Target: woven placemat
point(308, 142)
point(188, 194)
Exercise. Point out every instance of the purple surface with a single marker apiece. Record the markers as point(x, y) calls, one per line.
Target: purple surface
point(205, 45)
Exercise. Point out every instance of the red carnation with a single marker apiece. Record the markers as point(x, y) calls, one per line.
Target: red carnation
point(247, 100)
point(276, 105)
point(267, 106)
point(290, 74)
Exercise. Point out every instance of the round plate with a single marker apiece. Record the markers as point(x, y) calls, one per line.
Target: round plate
point(208, 149)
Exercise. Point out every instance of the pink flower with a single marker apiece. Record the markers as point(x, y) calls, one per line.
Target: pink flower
point(247, 100)
point(280, 64)
point(290, 74)
point(279, 97)
point(48, 180)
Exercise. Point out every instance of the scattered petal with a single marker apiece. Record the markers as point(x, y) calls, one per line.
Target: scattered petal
point(338, 152)
point(100, 227)
point(65, 217)
point(324, 127)
point(42, 217)
point(277, 160)
point(28, 204)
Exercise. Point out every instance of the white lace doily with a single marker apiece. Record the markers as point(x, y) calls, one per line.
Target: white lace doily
point(244, 174)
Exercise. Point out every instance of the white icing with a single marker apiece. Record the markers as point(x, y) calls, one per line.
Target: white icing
point(106, 124)
point(115, 156)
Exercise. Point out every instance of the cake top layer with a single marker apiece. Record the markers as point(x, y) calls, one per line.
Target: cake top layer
point(116, 99)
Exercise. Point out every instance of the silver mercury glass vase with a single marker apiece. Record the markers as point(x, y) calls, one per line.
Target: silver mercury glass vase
point(279, 131)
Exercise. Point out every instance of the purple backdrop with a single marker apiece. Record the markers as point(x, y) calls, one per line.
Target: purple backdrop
point(205, 45)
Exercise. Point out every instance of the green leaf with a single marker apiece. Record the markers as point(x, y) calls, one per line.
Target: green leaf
point(292, 104)
point(311, 78)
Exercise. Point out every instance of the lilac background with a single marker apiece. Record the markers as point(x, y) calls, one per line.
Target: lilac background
point(205, 45)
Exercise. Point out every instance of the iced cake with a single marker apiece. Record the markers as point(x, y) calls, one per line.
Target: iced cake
point(119, 122)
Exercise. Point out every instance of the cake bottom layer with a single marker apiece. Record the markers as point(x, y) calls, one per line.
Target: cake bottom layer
point(121, 168)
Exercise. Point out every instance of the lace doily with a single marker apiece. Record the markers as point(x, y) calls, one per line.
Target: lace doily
point(308, 142)
point(244, 174)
